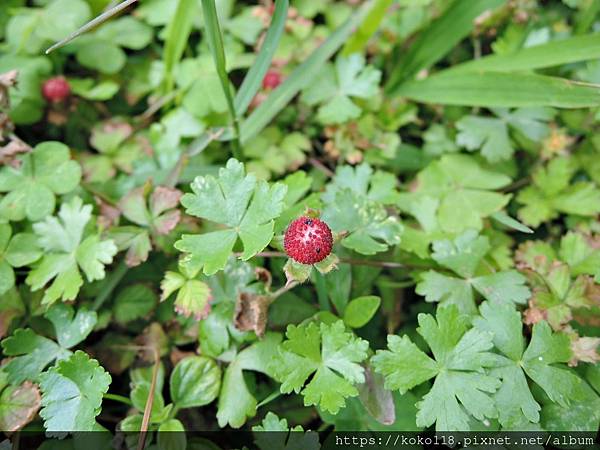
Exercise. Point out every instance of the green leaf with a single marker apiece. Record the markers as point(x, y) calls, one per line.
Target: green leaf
point(301, 77)
point(171, 435)
point(215, 43)
point(15, 251)
point(91, 24)
point(490, 135)
point(438, 39)
point(72, 393)
point(43, 173)
point(71, 328)
point(485, 133)
point(236, 402)
point(538, 363)
point(508, 221)
point(193, 296)
point(101, 55)
point(31, 354)
point(499, 89)
point(454, 194)
point(62, 17)
point(246, 207)
point(461, 388)
point(463, 256)
point(178, 32)
point(134, 302)
point(368, 28)
point(328, 351)
point(195, 381)
point(91, 90)
point(360, 310)
point(335, 87)
point(67, 250)
point(553, 53)
point(552, 193)
point(370, 229)
point(253, 79)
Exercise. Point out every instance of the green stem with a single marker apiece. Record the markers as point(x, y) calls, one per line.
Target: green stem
point(118, 398)
point(111, 283)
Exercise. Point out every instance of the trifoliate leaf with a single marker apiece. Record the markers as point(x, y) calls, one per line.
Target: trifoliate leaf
point(334, 89)
point(156, 211)
point(377, 186)
point(273, 152)
point(462, 189)
point(552, 193)
point(491, 134)
point(67, 249)
point(328, 351)
point(32, 188)
point(370, 229)
point(193, 295)
point(72, 393)
point(539, 362)
point(579, 254)
point(32, 353)
point(244, 206)
point(195, 381)
point(463, 256)
point(559, 289)
point(461, 388)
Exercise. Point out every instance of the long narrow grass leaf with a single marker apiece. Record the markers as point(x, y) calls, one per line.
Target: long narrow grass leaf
point(439, 38)
point(368, 28)
point(215, 43)
point(499, 89)
point(301, 77)
point(554, 53)
point(178, 33)
point(92, 24)
point(255, 75)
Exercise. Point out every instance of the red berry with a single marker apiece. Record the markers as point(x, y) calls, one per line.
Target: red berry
point(56, 89)
point(271, 80)
point(308, 240)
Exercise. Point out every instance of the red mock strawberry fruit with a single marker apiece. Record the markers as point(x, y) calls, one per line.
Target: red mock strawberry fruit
point(271, 80)
point(308, 240)
point(56, 89)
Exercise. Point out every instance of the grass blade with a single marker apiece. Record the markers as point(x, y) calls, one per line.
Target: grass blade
point(301, 76)
point(255, 75)
point(555, 53)
point(178, 32)
point(439, 38)
point(215, 43)
point(498, 89)
point(368, 28)
point(509, 222)
point(92, 24)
